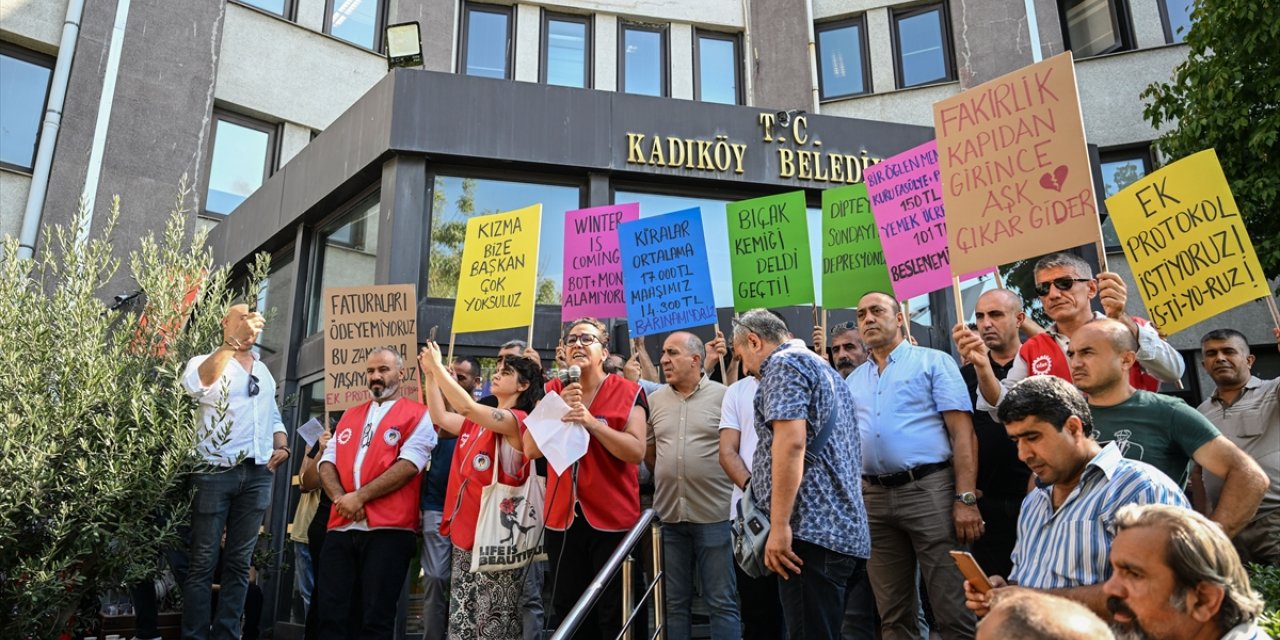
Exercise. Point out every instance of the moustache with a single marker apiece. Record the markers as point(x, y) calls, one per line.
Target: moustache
point(844, 362)
point(1116, 605)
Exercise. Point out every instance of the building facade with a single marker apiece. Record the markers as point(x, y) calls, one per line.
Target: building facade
point(296, 140)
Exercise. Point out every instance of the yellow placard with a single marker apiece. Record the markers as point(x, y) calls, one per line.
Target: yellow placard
point(1015, 170)
point(1187, 246)
point(498, 283)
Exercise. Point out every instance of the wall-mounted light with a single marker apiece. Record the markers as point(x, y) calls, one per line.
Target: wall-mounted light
point(404, 45)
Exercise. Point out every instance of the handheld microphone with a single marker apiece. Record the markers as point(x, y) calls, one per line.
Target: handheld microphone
point(575, 374)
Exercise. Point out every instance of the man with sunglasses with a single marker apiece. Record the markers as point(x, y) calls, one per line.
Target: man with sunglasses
point(242, 442)
point(1065, 285)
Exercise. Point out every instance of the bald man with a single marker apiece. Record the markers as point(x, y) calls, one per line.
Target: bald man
point(242, 441)
point(1002, 477)
point(1031, 614)
point(1162, 431)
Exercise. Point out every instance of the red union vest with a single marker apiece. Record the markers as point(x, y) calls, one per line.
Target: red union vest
point(608, 489)
point(474, 459)
point(1044, 356)
point(398, 509)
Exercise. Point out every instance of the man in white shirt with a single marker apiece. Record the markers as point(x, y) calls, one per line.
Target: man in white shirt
point(242, 442)
point(369, 470)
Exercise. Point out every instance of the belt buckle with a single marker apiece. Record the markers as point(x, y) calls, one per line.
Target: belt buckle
point(911, 474)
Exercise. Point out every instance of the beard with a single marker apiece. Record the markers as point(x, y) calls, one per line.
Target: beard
point(1131, 630)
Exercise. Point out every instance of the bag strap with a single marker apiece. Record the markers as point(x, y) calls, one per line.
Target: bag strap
point(820, 440)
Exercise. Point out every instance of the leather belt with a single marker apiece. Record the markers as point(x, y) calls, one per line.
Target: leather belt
point(900, 478)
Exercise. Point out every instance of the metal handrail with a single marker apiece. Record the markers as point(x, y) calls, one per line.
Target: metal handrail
point(621, 559)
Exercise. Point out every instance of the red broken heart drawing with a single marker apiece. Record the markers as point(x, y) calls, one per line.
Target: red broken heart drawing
point(1056, 179)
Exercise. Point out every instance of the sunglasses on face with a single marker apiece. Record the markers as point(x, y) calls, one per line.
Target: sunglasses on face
point(254, 389)
point(584, 339)
point(1063, 284)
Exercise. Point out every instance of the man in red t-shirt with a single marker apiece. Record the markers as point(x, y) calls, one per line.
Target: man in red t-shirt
point(370, 471)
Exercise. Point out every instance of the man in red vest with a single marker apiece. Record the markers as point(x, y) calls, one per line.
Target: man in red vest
point(370, 471)
point(1065, 284)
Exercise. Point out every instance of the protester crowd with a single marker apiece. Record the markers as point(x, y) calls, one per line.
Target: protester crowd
point(1092, 505)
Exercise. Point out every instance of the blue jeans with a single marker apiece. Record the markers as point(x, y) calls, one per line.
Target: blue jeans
point(233, 500)
point(710, 546)
point(303, 579)
point(813, 602)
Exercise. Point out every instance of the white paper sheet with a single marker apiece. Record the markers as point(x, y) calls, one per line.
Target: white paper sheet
point(310, 432)
point(562, 444)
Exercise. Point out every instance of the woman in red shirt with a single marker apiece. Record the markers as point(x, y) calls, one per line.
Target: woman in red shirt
point(591, 506)
point(483, 605)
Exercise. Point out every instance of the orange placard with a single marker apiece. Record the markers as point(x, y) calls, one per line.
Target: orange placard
point(1015, 169)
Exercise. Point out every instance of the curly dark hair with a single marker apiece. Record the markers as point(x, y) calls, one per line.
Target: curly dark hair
point(526, 371)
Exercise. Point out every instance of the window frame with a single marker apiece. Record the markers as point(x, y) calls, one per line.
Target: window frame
point(736, 40)
point(290, 9)
point(39, 59)
point(1167, 24)
point(464, 35)
point(896, 16)
point(588, 45)
point(270, 166)
point(379, 27)
point(859, 21)
point(1121, 21)
point(664, 46)
point(1142, 152)
point(315, 253)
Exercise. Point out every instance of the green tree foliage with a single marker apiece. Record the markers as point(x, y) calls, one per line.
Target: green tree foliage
point(1226, 95)
point(96, 433)
point(449, 233)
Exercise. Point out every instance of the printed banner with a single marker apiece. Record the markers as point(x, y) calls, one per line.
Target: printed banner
point(906, 198)
point(664, 268)
point(853, 261)
point(769, 252)
point(593, 263)
point(497, 285)
point(1187, 246)
point(1015, 170)
point(357, 320)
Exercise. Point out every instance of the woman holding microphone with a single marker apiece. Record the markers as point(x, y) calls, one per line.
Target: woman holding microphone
point(591, 506)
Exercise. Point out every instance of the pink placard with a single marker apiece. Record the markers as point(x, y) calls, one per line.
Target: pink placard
point(592, 262)
point(906, 199)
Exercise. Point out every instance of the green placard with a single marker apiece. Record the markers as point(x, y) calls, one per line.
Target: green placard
point(769, 252)
point(852, 258)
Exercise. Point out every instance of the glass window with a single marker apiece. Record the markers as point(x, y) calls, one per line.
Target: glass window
point(348, 249)
point(486, 51)
point(274, 303)
point(455, 199)
point(242, 157)
point(282, 8)
point(842, 59)
point(1177, 19)
point(565, 46)
point(1119, 170)
point(717, 68)
point(24, 86)
point(921, 48)
point(644, 60)
point(1095, 27)
point(356, 21)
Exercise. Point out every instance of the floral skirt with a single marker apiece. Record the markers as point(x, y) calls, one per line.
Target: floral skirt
point(484, 605)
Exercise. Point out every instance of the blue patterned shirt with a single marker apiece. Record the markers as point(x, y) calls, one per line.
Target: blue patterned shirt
point(796, 384)
point(1071, 548)
point(900, 410)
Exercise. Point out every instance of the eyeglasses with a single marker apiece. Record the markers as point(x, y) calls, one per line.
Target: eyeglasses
point(1063, 284)
point(584, 339)
point(254, 389)
point(842, 327)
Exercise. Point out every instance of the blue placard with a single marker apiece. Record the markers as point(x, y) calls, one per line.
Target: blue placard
point(665, 272)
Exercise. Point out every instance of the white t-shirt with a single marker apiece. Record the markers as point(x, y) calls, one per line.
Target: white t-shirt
point(739, 413)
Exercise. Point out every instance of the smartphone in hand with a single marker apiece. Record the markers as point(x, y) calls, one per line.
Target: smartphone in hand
point(971, 571)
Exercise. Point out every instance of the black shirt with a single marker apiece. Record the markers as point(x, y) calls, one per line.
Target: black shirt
point(1000, 472)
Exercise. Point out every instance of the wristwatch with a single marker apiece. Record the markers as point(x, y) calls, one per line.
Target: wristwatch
point(968, 498)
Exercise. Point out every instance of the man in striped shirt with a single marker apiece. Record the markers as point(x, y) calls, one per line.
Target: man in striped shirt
point(1063, 537)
